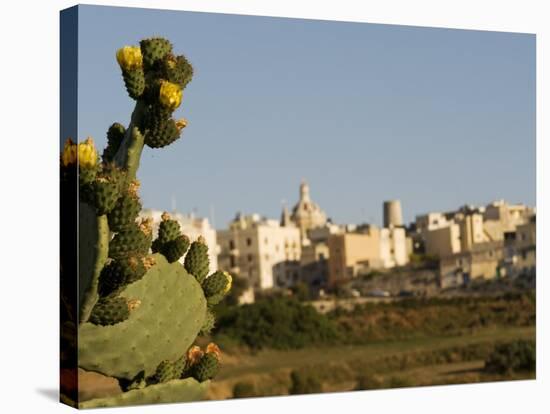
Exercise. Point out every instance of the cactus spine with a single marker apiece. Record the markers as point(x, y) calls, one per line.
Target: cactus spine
point(140, 313)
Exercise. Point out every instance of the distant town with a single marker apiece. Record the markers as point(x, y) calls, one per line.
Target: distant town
point(438, 251)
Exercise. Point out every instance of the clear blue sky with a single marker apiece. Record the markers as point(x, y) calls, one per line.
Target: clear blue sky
point(435, 117)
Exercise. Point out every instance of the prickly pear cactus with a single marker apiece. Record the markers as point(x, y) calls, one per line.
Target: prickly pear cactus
point(140, 309)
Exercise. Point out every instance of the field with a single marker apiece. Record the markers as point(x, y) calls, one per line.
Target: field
point(385, 359)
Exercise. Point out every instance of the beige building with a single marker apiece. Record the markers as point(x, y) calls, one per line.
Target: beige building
point(349, 253)
point(306, 214)
point(482, 261)
point(261, 250)
point(520, 247)
point(442, 241)
point(393, 247)
point(192, 227)
point(500, 217)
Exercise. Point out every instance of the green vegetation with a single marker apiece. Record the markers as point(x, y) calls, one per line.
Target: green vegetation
point(280, 323)
point(515, 356)
point(244, 389)
point(304, 383)
point(417, 317)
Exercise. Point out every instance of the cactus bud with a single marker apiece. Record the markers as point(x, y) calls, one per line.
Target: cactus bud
point(129, 58)
point(194, 354)
point(146, 226)
point(133, 304)
point(148, 262)
point(170, 95)
point(212, 348)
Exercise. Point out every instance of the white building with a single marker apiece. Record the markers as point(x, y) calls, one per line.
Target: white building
point(192, 227)
point(261, 250)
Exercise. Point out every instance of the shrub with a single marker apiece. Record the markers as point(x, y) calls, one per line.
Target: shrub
point(244, 389)
point(304, 383)
point(281, 323)
point(515, 356)
point(369, 382)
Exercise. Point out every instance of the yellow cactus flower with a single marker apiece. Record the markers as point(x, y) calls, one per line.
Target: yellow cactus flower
point(181, 123)
point(194, 354)
point(68, 156)
point(212, 348)
point(84, 152)
point(170, 95)
point(87, 154)
point(129, 57)
point(229, 282)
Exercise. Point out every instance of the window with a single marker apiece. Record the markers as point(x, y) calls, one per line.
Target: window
point(321, 257)
point(248, 241)
point(250, 258)
point(232, 261)
point(231, 244)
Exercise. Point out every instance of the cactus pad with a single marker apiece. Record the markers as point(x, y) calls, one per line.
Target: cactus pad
point(102, 194)
point(175, 249)
point(197, 262)
point(160, 130)
point(115, 135)
point(209, 323)
point(109, 311)
point(206, 368)
point(168, 230)
point(170, 316)
point(118, 273)
point(125, 212)
point(132, 241)
point(154, 49)
point(184, 390)
point(215, 284)
point(178, 70)
point(134, 80)
point(168, 370)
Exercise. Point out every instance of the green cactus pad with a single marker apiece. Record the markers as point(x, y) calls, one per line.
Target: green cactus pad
point(93, 245)
point(171, 314)
point(154, 49)
point(115, 135)
point(101, 194)
point(175, 249)
point(185, 390)
point(129, 242)
point(134, 80)
point(160, 131)
point(167, 371)
point(125, 212)
point(196, 261)
point(209, 323)
point(177, 70)
point(118, 273)
point(86, 175)
point(215, 284)
point(110, 311)
point(206, 368)
point(168, 230)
